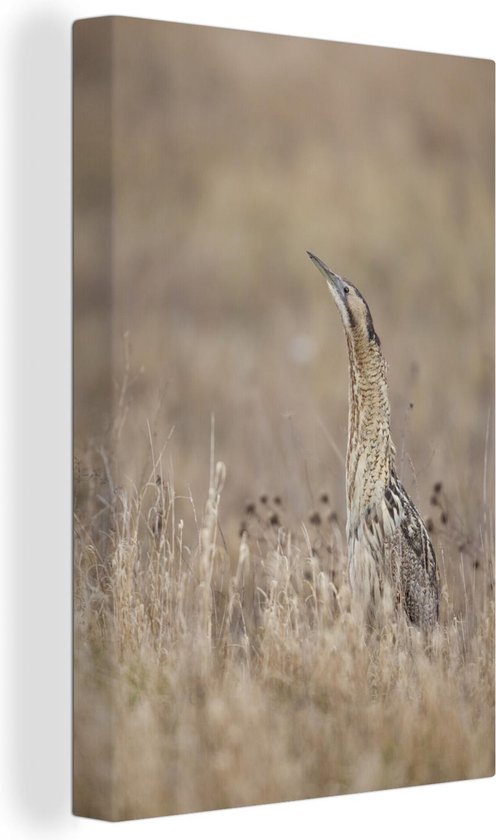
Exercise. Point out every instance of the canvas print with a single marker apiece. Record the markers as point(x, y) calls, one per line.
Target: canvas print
point(283, 418)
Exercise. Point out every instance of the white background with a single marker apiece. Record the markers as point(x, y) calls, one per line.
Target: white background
point(35, 333)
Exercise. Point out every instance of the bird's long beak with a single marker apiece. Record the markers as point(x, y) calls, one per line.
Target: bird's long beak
point(334, 281)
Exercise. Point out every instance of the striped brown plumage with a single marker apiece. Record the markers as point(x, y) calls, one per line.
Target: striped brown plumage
point(391, 558)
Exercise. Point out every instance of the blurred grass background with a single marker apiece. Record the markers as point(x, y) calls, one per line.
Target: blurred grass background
point(223, 156)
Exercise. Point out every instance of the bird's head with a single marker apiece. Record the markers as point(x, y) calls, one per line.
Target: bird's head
point(353, 308)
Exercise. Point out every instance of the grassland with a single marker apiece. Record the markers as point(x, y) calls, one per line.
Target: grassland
point(212, 676)
point(216, 659)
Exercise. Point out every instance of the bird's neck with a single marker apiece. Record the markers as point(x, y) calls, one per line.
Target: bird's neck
point(371, 454)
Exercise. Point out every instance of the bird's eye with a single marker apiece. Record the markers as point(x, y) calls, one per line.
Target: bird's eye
point(346, 289)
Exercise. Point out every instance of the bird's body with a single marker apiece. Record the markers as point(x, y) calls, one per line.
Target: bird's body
point(391, 558)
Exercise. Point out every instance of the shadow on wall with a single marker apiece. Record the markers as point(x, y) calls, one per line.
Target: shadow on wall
point(39, 597)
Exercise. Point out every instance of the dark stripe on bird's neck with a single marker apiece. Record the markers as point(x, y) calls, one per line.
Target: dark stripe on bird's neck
point(371, 333)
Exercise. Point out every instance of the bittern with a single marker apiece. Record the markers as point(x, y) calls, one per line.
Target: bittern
point(392, 564)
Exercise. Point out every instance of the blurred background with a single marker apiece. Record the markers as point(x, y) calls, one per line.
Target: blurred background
point(206, 163)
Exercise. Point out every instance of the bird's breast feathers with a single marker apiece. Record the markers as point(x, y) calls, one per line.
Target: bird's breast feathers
point(371, 524)
point(372, 529)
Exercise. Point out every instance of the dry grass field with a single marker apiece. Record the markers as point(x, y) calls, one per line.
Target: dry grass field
point(216, 659)
point(208, 679)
